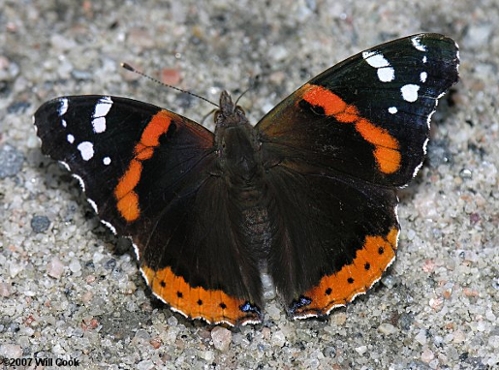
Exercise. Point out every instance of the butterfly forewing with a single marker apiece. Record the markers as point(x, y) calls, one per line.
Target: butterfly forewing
point(369, 115)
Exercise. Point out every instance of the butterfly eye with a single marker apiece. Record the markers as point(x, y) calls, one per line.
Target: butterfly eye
point(216, 116)
point(240, 111)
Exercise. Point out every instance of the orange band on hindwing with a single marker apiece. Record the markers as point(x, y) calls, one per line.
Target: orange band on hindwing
point(376, 254)
point(214, 306)
point(128, 200)
point(386, 152)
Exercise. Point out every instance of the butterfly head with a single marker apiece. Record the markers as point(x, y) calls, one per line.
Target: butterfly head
point(236, 140)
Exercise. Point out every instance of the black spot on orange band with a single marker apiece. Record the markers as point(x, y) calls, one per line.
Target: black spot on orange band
point(386, 150)
point(214, 306)
point(356, 278)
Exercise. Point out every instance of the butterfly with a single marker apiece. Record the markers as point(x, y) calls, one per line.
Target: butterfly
point(307, 195)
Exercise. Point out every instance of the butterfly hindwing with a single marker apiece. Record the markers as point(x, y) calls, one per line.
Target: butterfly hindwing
point(333, 238)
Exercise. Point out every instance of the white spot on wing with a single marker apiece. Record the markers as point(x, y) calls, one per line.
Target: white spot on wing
point(63, 106)
point(392, 110)
point(99, 125)
point(410, 92)
point(106, 161)
point(376, 60)
point(423, 76)
point(86, 149)
point(102, 108)
point(416, 42)
point(70, 138)
point(386, 74)
point(63, 123)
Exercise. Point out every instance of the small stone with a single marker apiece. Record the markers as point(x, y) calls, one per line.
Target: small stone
point(75, 266)
point(459, 336)
point(55, 268)
point(478, 36)
point(273, 312)
point(405, 321)
point(387, 329)
point(427, 355)
point(170, 76)
point(278, 339)
point(10, 351)
point(145, 365)
point(494, 341)
point(40, 224)
point(361, 350)
point(4, 290)
point(221, 338)
point(14, 269)
point(421, 337)
point(172, 321)
point(278, 53)
point(110, 264)
point(390, 281)
point(155, 343)
point(142, 334)
point(329, 352)
point(11, 161)
point(339, 319)
point(208, 356)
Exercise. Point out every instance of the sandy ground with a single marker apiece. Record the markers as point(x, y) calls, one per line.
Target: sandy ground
point(69, 290)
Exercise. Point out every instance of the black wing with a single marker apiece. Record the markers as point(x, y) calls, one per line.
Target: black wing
point(148, 173)
point(339, 146)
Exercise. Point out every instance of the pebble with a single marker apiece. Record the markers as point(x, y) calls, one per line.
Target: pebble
point(278, 339)
point(40, 224)
point(361, 350)
point(11, 161)
point(221, 338)
point(387, 329)
point(5, 290)
point(55, 268)
point(427, 355)
point(10, 351)
point(75, 266)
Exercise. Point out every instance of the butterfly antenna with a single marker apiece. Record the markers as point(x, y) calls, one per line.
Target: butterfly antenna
point(128, 67)
point(242, 94)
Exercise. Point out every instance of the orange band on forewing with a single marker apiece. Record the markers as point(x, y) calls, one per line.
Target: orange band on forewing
point(129, 206)
point(388, 159)
point(386, 146)
point(129, 180)
point(128, 200)
point(157, 126)
point(214, 306)
point(319, 96)
point(377, 253)
point(375, 135)
point(386, 150)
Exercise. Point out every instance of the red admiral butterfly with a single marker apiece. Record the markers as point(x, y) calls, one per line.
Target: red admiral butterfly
point(307, 195)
